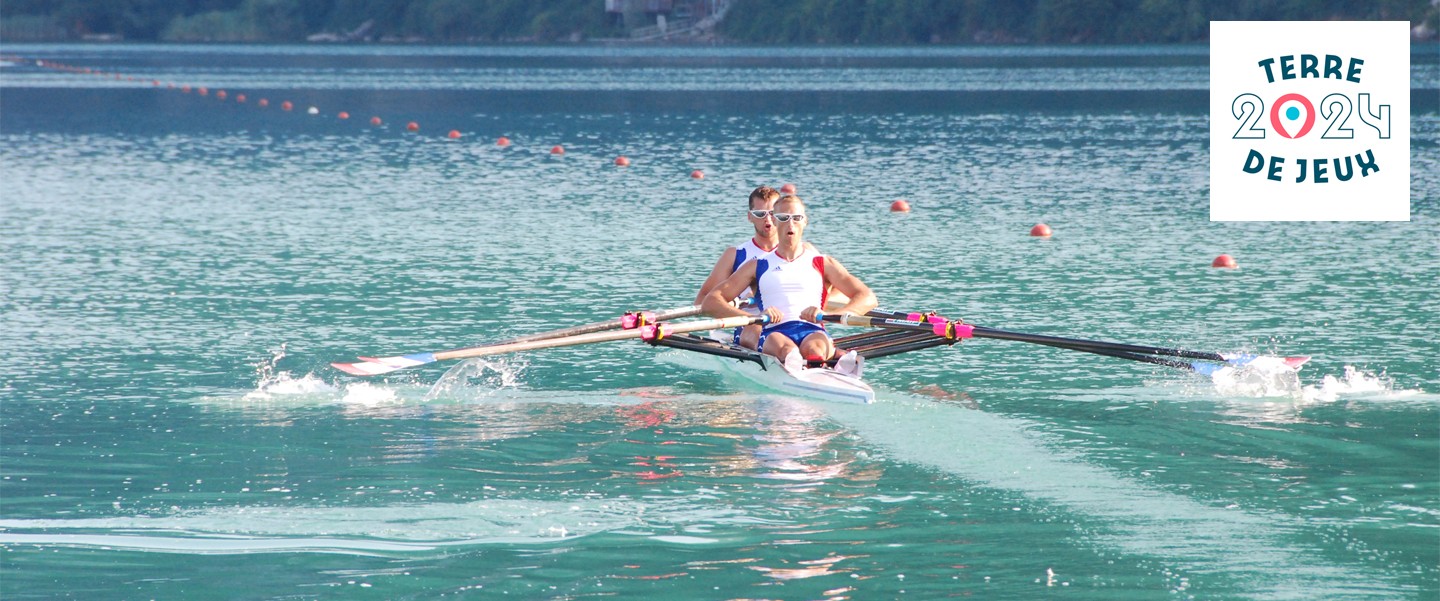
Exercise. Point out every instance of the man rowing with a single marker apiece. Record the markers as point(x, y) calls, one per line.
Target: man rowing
point(791, 284)
point(759, 205)
point(758, 209)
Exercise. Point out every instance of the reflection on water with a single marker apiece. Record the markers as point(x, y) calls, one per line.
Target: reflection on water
point(793, 445)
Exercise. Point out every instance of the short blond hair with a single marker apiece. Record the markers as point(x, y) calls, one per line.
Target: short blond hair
point(790, 198)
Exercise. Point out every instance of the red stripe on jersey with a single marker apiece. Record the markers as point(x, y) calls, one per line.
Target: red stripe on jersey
point(824, 286)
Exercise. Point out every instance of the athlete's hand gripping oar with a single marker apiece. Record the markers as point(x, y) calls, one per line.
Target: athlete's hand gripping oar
point(955, 330)
point(371, 366)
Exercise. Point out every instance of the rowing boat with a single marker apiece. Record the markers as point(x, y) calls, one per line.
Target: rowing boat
point(765, 372)
point(889, 334)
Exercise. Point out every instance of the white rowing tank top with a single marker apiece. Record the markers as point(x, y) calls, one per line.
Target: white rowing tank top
point(790, 286)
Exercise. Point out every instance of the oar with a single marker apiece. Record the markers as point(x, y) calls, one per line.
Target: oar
point(630, 320)
point(624, 321)
point(954, 330)
point(373, 366)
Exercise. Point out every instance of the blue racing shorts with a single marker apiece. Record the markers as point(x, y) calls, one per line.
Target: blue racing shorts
point(795, 330)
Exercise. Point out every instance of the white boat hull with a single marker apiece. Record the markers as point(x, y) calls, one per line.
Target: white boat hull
point(820, 383)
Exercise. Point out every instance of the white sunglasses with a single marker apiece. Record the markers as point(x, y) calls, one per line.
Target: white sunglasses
point(783, 217)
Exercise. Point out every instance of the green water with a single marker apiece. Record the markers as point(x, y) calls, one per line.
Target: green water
point(178, 272)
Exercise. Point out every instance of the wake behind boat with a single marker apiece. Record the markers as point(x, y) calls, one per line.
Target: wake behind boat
point(837, 379)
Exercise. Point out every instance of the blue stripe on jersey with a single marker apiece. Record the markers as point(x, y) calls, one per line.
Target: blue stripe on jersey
point(739, 259)
point(761, 266)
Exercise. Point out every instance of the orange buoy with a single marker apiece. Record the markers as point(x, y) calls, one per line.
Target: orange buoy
point(263, 102)
point(697, 174)
point(239, 98)
point(412, 126)
point(502, 142)
point(202, 92)
point(285, 106)
point(787, 189)
point(557, 149)
point(185, 89)
point(1224, 262)
point(1040, 231)
point(343, 115)
point(375, 121)
point(454, 134)
point(155, 82)
point(621, 161)
point(900, 206)
point(220, 94)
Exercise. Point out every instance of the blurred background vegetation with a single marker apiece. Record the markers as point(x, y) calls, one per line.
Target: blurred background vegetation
point(745, 21)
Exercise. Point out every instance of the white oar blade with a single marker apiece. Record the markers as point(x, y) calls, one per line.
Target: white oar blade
point(374, 366)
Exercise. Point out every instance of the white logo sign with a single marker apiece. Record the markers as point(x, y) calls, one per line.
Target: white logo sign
point(1309, 121)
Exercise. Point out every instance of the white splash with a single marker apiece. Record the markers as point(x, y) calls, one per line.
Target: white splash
point(1262, 377)
point(271, 382)
point(365, 393)
point(477, 378)
point(1354, 382)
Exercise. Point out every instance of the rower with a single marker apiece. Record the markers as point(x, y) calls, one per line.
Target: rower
point(759, 205)
point(791, 284)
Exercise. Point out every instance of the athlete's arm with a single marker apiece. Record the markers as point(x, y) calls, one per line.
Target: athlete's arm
point(717, 274)
point(717, 302)
point(862, 300)
point(834, 299)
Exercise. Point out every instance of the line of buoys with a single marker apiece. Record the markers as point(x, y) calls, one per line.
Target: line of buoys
point(1040, 230)
point(286, 105)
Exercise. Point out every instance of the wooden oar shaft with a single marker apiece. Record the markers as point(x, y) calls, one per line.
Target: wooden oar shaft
point(599, 326)
point(671, 328)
